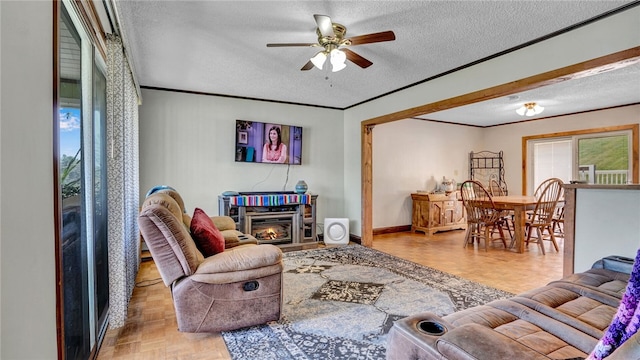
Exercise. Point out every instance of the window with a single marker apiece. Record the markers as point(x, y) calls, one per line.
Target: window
point(604, 158)
point(594, 156)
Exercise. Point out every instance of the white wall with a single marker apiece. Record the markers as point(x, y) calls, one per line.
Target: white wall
point(187, 141)
point(607, 223)
point(411, 155)
point(27, 260)
point(612, 34)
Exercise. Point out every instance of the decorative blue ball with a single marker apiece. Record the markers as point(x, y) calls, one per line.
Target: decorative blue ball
point(301, 187)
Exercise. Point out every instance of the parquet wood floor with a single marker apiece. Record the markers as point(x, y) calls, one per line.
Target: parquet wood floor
point(150, 331)
point(502, 269)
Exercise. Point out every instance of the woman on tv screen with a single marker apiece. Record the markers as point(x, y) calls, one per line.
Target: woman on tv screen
point(274, 151)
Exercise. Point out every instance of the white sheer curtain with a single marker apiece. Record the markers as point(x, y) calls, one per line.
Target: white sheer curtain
point(123, 181)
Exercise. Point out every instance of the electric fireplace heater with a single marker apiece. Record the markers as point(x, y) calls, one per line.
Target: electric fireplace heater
point(273, 228)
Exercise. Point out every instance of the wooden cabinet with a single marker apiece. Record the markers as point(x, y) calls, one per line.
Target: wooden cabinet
point(437, 212)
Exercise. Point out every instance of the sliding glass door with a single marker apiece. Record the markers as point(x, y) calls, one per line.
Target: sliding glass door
point(81, 150)
point(100, 253)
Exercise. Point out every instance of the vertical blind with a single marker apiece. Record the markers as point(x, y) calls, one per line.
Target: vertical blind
point(552, 159)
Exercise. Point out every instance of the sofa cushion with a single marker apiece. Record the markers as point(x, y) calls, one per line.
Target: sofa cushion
point(528, 327)
point(463, 343)
point(602, 280)
point(204, 232)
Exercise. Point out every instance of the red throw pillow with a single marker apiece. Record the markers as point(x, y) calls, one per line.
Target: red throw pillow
point(206, 235)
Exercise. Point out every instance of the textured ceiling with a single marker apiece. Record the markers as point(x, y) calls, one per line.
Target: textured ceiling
point(219, 47)
point(614, 88)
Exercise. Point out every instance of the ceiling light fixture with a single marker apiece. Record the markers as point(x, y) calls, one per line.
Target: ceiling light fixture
point(331, 39)
point(319, 59)
point(530, 109)
point(336, 57)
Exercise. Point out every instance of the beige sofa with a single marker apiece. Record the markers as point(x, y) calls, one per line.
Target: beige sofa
point(563, 320)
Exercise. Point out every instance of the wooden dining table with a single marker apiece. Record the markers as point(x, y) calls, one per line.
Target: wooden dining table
point(519, 204)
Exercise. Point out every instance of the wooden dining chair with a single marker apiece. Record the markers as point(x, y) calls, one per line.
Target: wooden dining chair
point(497, 189)
point(538, 192)
point(541, 219)
point(543, 186)
point(558, 220)
point(482, 215)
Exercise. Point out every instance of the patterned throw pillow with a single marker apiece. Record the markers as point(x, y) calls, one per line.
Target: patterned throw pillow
point(207, 237)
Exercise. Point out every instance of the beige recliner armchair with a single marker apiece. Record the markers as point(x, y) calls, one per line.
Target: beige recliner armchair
point(239, 287)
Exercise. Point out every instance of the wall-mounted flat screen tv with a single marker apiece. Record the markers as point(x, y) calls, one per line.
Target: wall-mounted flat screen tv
point(261, 142)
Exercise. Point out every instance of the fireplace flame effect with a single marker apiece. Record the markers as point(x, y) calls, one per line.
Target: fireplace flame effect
point(272, 232)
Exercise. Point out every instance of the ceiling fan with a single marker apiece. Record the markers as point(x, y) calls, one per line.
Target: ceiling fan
point(331, 37)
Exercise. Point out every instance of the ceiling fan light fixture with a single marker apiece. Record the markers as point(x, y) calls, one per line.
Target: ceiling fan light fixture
point(319, 59)
point(338, 67)
point(338, 59)
point(538, 109)
point(331, 36)
point(530, 109)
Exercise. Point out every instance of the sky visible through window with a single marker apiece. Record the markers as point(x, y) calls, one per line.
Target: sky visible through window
point(69, 131)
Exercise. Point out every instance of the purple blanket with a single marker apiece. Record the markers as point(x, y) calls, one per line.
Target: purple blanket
point(626, 321)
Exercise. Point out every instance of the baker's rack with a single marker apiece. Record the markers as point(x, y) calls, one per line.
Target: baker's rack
point(487, 165)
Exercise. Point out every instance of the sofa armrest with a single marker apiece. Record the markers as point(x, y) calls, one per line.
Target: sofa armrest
point(223, 222)
point(415, 336)
point(232, 244)
point(615, 263)
point(474, 341)
point(233, 238)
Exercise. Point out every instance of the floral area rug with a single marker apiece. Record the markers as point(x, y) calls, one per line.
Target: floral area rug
point(340, 303)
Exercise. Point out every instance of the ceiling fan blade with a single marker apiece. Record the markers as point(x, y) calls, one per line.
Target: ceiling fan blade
point(293, 44)
point(324, 25)
point(357, 59)
point(373, 38)
point(307, 66)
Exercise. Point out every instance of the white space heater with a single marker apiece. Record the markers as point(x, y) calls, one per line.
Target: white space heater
point(336, 231)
